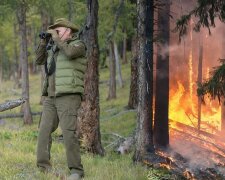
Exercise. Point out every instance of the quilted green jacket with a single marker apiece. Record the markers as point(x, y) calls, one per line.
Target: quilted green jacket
point(68, 64)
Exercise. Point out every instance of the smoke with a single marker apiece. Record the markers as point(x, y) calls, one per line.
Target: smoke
point(199, 155)
point(196, 157)
point(199, 152)
point(184, 60)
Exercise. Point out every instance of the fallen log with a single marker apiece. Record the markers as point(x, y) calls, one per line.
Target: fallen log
point(180, 167)
point(182, 126)
point(18, 115)
point(116, 115)
point(221, 149)
point(11, 104)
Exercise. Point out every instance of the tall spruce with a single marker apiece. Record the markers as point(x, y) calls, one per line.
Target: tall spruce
point(90, 110)
point(132, 102)
point(205, 12)
point(144, 134)
point(161, 124)
point(112, 72)
point(200, 79)
point(21, 17)
point(223, 99)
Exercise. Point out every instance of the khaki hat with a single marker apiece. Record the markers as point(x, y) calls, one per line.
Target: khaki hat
point(63, 22)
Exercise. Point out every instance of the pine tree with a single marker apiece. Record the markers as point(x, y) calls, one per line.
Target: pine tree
point(144, 135)
point(161, 122)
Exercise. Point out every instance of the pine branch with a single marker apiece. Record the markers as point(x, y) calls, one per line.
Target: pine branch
point(215, 85)
point(206, 12)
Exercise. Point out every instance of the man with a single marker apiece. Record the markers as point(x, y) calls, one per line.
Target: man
point(63, 55)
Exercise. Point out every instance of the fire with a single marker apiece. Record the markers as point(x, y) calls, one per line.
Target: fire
point(207, 73)
point(190, 75)
point(183, 109)
point(190, 64)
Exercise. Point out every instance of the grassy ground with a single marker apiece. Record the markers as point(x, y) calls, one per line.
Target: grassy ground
point(18, 142)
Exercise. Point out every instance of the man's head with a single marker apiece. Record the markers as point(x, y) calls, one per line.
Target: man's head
point(64, 32)
point(64, 28)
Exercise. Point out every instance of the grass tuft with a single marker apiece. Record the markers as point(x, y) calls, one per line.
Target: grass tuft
point(18, 142)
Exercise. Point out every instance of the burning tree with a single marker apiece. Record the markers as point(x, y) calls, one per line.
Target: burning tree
point(161, 122)
point(180, 162)
point(206, 13)
point(214, 86)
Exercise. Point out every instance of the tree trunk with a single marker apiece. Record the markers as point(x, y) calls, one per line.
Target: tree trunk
point(124, 47)
point(223, 99)
point(161, 124)
point(200, 79)
point(144, 136)
point(21, 16)
point(223, 115)
point(132, 103)
point(89, 112)
point(1, 64)
point(112, 71)
point(35, 41)
point(16, 65)
point(70, 9)
point(117, 59)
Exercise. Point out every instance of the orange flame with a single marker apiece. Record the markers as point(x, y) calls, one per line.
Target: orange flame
point(184, 110)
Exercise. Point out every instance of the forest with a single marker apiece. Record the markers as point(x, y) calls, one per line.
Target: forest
point(152, 105)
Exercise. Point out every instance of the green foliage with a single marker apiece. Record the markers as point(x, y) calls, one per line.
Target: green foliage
point(215, 85)
point(5, 135)
point(107, 11)
point(29, 135)
point(18, 142)
point(156, 174)
point(57, 9)
point(182, 25)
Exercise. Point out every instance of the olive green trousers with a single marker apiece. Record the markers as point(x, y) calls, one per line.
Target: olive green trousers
point(60, 111)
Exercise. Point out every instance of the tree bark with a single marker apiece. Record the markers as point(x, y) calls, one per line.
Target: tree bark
point(144, 136)
point(223, 115)
point(35, 43)
point(70, 9)
point(124, 47)
point(132, 103)
point(16, 65)
point(117, 59)
point(161, 123)
point(21, 16)
point(223, 99)
point(200, 80)
point(1, 65)
point(89, 113)
point(11, 104)
point(112, 71)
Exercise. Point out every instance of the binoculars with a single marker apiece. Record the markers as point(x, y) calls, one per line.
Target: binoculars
point(48, 38)
point(44, 35)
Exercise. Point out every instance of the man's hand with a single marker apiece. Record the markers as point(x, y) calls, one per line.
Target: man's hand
point(43, 41)
point(53, 33)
